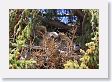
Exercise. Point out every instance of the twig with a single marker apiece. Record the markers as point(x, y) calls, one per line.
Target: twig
point(83, 22)
point(15, 27)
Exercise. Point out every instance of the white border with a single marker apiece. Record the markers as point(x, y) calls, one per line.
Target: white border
point(102, 72)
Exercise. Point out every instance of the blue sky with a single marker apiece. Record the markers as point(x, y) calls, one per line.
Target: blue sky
point(62, 12)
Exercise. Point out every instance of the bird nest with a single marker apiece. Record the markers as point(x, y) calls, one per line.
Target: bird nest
point(53, 52)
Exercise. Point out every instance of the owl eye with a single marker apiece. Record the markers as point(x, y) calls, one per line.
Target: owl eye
point(77, 45)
